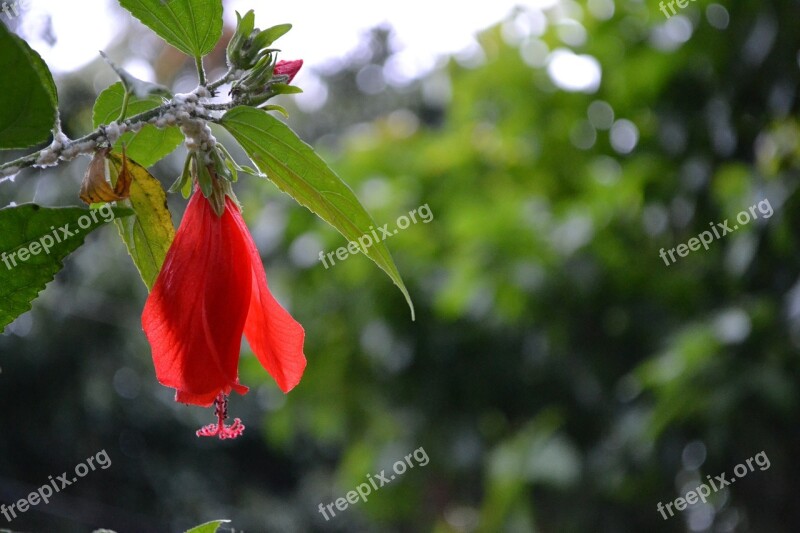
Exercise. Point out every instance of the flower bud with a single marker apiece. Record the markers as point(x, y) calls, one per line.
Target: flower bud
point(244, 28)
point(288, 68)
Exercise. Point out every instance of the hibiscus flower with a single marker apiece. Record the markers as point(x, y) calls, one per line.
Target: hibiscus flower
point(211, 289)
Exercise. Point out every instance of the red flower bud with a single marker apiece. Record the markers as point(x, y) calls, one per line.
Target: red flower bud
point(210, 290)
point(289, 68)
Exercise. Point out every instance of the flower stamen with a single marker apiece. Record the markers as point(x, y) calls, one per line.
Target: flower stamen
point(220, 429)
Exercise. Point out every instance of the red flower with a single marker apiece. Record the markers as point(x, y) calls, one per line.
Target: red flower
point(211, 288)
point(290, 68)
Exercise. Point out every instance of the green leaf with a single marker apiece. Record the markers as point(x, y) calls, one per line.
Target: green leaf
point(208, 527)
point(191, 26)
point(298, 171)
point(150, 144)
point(203, 177)
point(246, 24)
point(149, 233)
point(135, 86)
point(184, 178)
point(30, 228)
point(279, 109)
point(282, 88)
point(28, 102)
point(270, 35)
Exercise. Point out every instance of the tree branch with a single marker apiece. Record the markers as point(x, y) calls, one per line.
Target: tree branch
point(181, 110)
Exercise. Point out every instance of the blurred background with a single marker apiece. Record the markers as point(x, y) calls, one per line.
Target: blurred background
point(559, 376)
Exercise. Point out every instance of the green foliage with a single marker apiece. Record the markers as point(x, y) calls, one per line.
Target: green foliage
point(208, 527)
point(561, 376)
point(33, 247)
point(146, 146)
point(149, 233)
point(561, 369)
point(298, 171)
point(29, 104)
point(191, 26)
point(282, 88)
point(270, 35)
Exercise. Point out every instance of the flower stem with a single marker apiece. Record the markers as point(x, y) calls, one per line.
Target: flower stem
point(125, 101)
point(201, 71)
point(223, 80)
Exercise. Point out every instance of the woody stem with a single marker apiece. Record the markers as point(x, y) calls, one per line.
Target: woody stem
point(89, 143)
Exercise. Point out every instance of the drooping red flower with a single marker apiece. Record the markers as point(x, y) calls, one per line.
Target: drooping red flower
point(212, 288)
point(290, 68)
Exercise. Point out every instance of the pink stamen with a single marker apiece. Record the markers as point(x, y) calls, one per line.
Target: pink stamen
point(220, 429)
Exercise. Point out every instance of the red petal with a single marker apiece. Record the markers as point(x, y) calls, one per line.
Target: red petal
point(275, 337)
point(196, 313)
point(290, 68)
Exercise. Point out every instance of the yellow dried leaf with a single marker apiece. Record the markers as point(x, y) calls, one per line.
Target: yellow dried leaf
point(95, 187)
